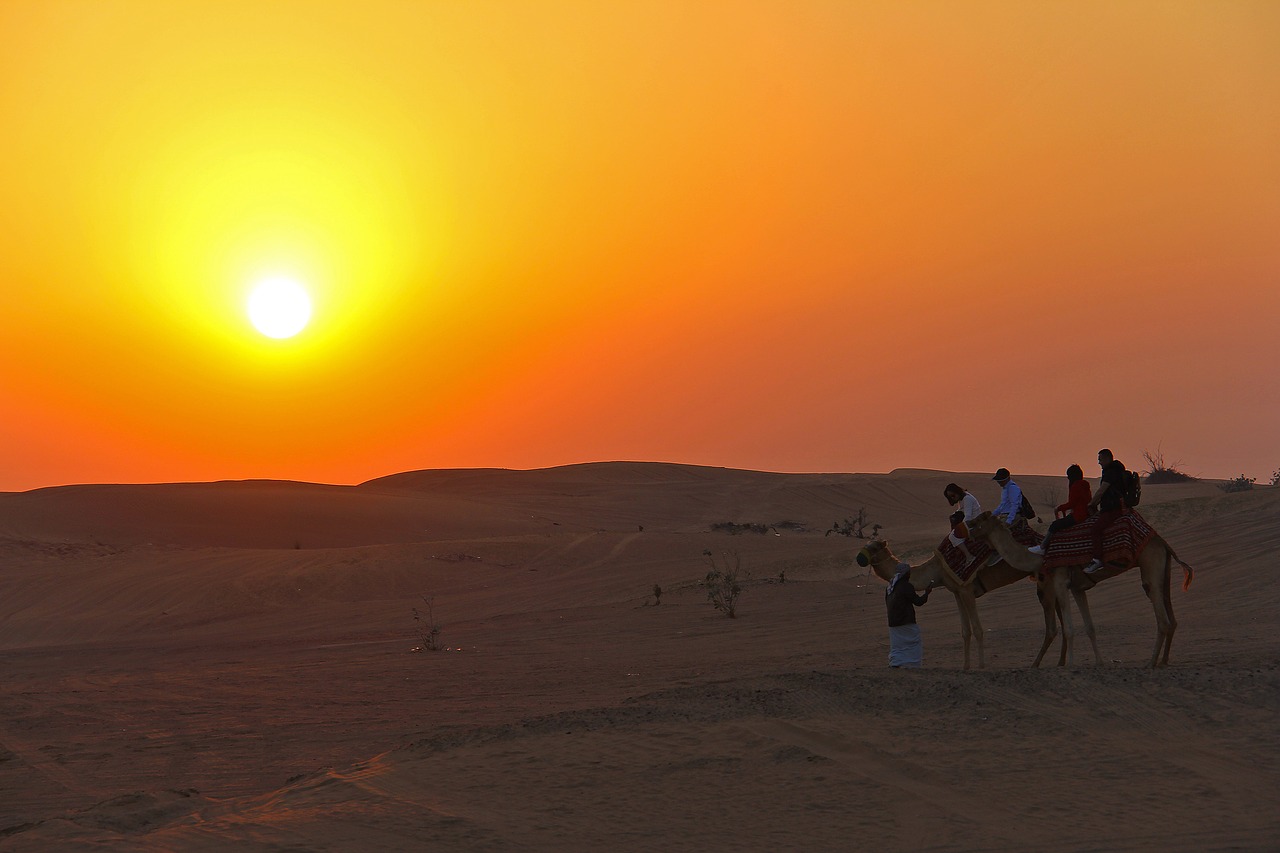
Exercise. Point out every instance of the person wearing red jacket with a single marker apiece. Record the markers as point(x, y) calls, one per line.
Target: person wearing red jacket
point(1074, 511)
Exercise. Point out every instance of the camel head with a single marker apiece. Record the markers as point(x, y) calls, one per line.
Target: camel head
point(877, 555)
point(983, 525)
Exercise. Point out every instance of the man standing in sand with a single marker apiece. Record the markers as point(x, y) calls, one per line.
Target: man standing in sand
point(905, 648)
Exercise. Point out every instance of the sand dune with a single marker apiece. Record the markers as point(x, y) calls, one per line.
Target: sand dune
point(228, 666)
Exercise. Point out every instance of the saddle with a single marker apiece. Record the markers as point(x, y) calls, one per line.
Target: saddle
point(1122, 543)
point(965, 569)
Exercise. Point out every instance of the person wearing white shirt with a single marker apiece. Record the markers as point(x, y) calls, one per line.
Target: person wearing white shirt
point(968, 511)
point(968, 503)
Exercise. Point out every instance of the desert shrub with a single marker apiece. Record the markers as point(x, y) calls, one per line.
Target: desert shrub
point(1275, 478)
point(1161, 472)
point(722, 584)
point(428, 630)
point(856, 527)
point(1239, 484)
point(734, 529)
point(657, 594)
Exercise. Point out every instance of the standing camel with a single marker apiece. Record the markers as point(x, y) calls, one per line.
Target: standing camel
point(1155, 562)
point(930, 573)
point(990, 529)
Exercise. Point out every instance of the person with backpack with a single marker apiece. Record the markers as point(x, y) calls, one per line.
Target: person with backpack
point(1011, 500)
point(1071, 513)
point(1108, 502)
point(1013, 508)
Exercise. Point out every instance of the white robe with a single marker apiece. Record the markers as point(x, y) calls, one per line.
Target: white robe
point(905, 649)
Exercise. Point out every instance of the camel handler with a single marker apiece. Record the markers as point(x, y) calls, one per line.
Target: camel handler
point(905, 648)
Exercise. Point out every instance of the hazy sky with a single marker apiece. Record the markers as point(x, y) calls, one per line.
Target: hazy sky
point(790, 236)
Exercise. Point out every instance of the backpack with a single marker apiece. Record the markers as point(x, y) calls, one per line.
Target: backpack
point(1026, 510)
point(1132, 491)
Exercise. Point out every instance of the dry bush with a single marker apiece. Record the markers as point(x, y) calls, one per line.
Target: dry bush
point(733, 528)
point(1161, 472)
point(856, 527)
point(428, 630)
point(723, 587)
point(1239, 484)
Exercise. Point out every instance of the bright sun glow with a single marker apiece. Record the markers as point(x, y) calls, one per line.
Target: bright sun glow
point(279, 307)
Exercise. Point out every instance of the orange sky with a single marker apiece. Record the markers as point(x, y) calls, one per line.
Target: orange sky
point(792, 236)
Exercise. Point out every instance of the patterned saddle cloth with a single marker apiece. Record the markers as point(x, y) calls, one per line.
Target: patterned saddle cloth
point(1122, 543)
point(965, 567)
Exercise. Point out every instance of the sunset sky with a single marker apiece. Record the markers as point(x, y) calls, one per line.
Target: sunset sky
point(788, 236)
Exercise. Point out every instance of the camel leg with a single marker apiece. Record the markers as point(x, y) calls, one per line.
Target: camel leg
point(1048, 603)
point(1152, 586)
point(976, 623)
point(1082, 601)
point(1168, 607)
point(1068, 628)
point(965, 628)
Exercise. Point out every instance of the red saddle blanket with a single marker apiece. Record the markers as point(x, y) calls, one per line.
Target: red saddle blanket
point(1121, 544)
point(964, 567)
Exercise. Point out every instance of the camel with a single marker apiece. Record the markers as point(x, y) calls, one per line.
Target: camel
point(1155, 565)
point(930, 573)
point(990, 529)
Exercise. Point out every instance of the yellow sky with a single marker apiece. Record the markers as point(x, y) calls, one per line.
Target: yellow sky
point(779, 235)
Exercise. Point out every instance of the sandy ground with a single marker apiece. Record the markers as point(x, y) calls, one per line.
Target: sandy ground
point(229, 666)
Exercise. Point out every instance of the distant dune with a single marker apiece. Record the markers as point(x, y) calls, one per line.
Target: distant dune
point(211, 666)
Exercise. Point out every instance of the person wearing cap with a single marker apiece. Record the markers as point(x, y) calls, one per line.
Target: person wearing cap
point(1010, 498)
point(906, 651)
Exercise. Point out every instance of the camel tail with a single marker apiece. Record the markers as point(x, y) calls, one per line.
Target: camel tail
point(1188, 573)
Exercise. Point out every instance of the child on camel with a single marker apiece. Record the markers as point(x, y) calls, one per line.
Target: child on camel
point(968, 511)
point(959, 536)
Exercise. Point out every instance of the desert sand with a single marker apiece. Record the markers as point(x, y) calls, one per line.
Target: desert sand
point(230, 666)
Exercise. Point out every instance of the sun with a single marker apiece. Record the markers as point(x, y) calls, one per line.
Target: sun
point(279, 307)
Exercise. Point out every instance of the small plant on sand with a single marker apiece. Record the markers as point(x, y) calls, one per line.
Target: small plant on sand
point(856, 527)
point(1239, 484)
point(657, 595)
point(733, 528)
point(1275, 478)
point(1161, 472)
point(723, 587)
point(428, 630)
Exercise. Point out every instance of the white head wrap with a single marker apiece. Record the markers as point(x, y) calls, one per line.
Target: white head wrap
point(903, 568)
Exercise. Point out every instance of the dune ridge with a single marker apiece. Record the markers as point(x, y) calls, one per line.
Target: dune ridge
point(204, 666)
